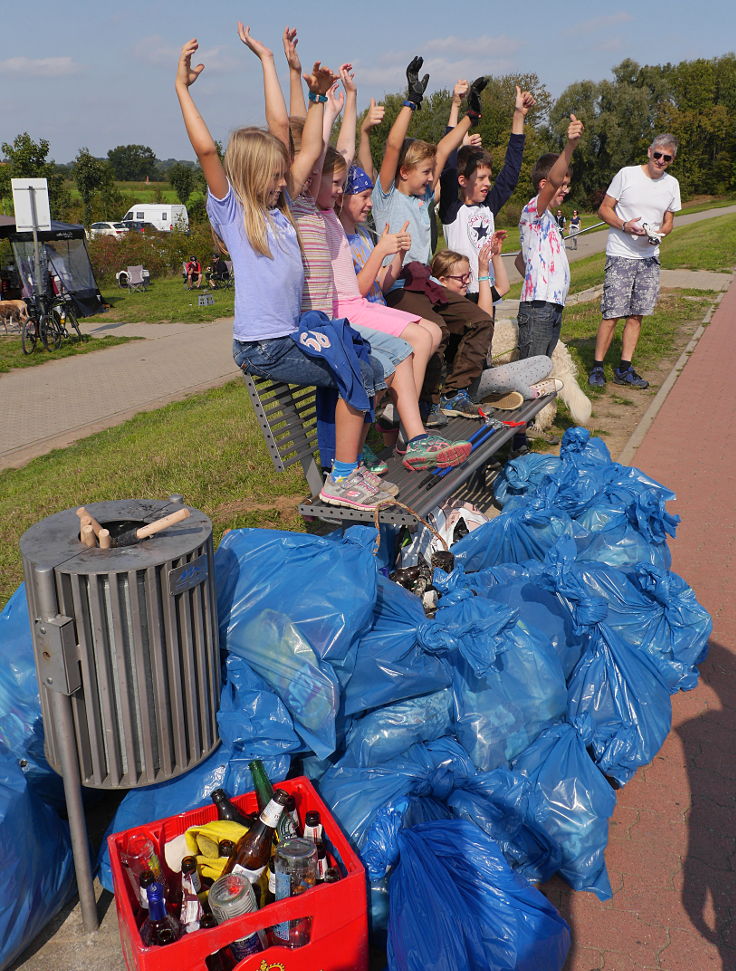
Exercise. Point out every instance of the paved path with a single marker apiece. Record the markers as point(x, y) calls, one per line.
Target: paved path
point(672, 850)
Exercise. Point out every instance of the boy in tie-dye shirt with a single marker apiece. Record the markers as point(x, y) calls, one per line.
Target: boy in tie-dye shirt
point(543, 261)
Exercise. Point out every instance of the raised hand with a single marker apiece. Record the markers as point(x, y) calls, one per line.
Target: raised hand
point(392, 243)
point(416, 87)
point(292, 57)
point(185, 73)
point(459, 91)
point(373, 117)
point(575, 129)
point(335, 99)
point(403, 238)
point(524, 101)
point(496, 241)
point(259, 49)
point(472, 139)
point(347, 76)
point(321, 79)
point(474, 94)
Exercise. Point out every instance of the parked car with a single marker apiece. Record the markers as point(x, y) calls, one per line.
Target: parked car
point(107, 229)
point(139, 226)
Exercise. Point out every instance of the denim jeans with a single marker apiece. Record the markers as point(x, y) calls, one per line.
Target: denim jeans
point(540, 323)
point(281, 359)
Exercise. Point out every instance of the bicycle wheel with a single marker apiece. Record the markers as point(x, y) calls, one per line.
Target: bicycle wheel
point(60, 321)
point(29, 336)
point(50, 331)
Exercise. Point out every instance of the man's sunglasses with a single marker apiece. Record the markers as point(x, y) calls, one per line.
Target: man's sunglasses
point(661, 155)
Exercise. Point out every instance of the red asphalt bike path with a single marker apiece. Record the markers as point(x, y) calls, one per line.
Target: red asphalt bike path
point(672, 849)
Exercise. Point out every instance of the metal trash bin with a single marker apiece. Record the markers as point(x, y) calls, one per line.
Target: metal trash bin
point(126, 647)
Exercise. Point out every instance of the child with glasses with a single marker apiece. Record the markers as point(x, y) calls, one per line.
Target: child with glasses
point(640, 207)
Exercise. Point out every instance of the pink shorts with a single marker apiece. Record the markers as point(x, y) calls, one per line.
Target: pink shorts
point(358, 310)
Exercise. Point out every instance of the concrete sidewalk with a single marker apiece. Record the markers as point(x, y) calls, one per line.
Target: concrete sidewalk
point(672, 849)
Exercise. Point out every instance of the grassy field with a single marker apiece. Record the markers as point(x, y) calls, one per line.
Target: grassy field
point(12, 356)
point(209, 449)
point(165, 300)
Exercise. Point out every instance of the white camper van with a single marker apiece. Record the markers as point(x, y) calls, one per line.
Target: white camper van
point(162, 215)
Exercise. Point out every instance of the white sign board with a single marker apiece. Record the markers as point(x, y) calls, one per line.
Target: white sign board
point(25, 190)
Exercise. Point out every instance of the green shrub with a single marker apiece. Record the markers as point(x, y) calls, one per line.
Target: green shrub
point(160, 253)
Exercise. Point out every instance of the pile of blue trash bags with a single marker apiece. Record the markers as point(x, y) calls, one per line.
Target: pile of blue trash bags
point(468, 756)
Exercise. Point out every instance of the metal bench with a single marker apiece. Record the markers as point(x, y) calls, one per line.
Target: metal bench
point(287, 418)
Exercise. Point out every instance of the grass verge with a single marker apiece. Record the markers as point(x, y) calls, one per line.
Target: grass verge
point(12, 356)
point(208, 448)
point(165, 300)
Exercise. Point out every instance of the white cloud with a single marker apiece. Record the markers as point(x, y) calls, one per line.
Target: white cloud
point(597, 24)
point(155, 50)
point(39, 67)
point(450, 58)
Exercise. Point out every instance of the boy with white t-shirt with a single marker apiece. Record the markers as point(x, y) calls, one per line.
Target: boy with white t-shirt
point(639, 207)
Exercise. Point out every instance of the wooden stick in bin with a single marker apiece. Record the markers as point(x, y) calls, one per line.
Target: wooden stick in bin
point(132, 536)
point(87, 518)
point(105, 540)
point(87, 535)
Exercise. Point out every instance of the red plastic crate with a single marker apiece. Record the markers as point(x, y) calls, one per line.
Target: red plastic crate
point(339, 932)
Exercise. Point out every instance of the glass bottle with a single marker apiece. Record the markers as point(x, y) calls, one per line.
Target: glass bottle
point(261, 783)
point(322, 861)
point(253, 849)
point(226, 809)
point(295, 865)
point(225, 848)
point(191, 887)
point(313, 826)
point(159, 928)
point(232, 896)
point(332, 875)
point(144, 882)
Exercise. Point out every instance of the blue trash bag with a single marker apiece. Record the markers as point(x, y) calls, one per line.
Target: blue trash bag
point(571, 802)
point(521, 476)
point(579, 448)
point(294, 606)
point(21, 724)
point(37, 861)
point(508, 683)
point(522, 534)
point(251, 717)
point(623, 529)
point(383, 548)
point(652, 610)
point(456, 904)
point(390, 666)
point(619, 704)
point(498, 802)
point(381, 849)
point(526, 591)
point(386, 732)
point(354, 793)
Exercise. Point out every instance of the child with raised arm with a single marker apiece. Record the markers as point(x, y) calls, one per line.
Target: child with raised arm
point(468, 203)
point(403, 193)
point(325, 250)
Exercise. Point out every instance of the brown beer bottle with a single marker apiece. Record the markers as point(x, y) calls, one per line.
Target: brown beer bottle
point(253, 849)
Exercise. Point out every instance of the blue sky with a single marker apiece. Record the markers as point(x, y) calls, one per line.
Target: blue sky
point(78, 74)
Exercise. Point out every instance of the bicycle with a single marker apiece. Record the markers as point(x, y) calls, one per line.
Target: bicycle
point(65, 316)
point(49, 320)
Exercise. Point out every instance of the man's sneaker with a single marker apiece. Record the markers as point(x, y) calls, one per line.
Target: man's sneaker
point(459, 405)
point(629, 377)
point(433, 417)
point(596, 378)
point(383, 485)
point(354, 491)
point(548, 386)
point(433, 452)
point(371, 461)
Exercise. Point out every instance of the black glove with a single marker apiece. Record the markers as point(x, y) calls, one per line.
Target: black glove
point(474, 94)
point(416, 88)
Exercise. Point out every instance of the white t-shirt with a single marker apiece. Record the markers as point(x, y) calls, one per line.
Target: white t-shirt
point(471, 229)
point(547, 271)
point(638, 195)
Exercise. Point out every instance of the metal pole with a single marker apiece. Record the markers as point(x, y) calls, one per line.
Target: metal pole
point(39, 285)
point(64, 725)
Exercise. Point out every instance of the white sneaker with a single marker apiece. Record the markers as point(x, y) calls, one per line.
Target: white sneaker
point(548, 386)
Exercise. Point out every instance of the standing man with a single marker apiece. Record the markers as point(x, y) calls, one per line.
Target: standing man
point(639, 207)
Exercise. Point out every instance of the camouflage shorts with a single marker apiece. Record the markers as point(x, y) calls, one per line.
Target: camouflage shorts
point(630, 287)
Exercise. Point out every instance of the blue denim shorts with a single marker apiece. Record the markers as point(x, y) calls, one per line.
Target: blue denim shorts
point(281, 359)
point(540, 323)
point(389, 350)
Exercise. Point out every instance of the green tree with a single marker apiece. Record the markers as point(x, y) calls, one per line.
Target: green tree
point(90, 175)
point(183, 178)
point(132, 162)
point(28, 160)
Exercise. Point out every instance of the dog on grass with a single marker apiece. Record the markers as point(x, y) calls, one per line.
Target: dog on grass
point(13, 312)
point(505, 348)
